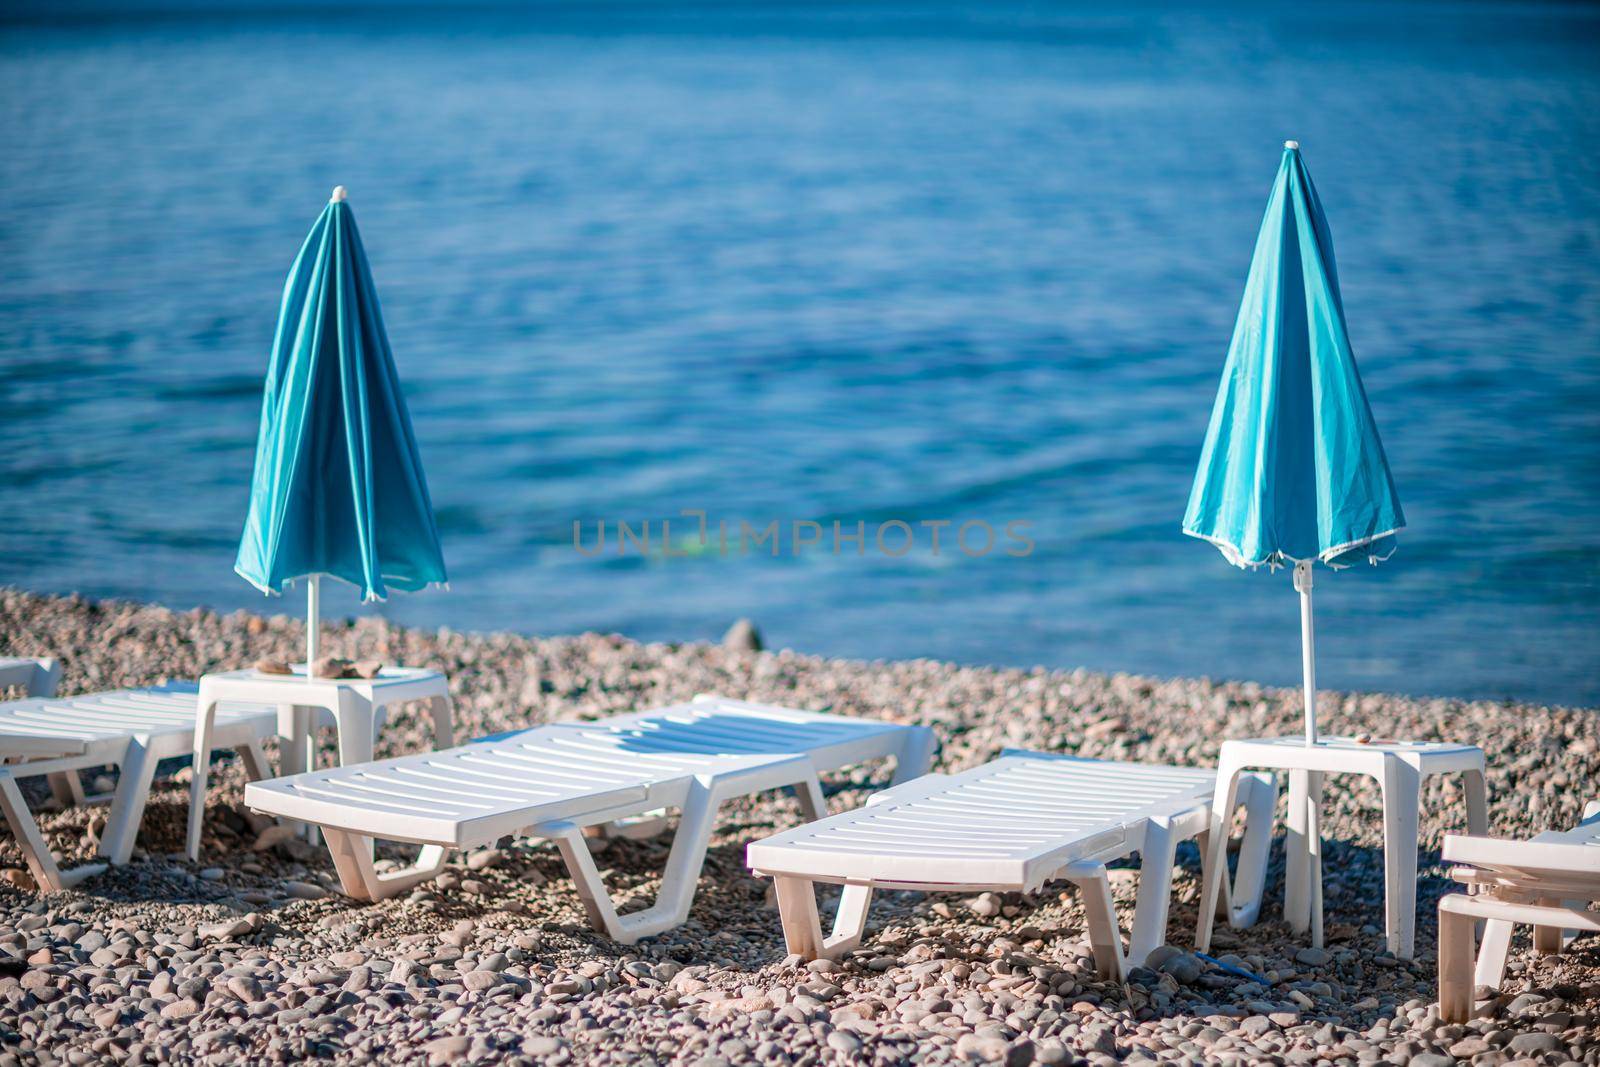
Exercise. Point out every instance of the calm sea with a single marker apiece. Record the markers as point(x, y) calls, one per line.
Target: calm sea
point(802, 262)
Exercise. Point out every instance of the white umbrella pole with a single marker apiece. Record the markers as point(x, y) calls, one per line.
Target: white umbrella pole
point(1308, 647)
point(1308, 666)
point(313, 613)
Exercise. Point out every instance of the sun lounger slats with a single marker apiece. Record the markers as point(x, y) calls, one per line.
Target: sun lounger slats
point(166, 710)
point(1006, 821)
point(132, 729)
point(1011, 825)
point(550, 772)
point(445, 796)
point(552, 781)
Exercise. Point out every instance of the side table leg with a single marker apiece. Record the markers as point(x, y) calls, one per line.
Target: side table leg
point(1402, 795)
point(444, 730)
point(1297, 854)
point(1477, 789)
point(1314, 853)
point(354, 719)
point(205, 716)
point(1215, 867)
point(301, 750)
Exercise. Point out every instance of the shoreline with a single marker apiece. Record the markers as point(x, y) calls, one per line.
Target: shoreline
point(16, 604)
point(287, 967)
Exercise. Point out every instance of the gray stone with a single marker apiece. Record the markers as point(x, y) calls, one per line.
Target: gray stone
point(478, 981)
point(845, 1042)
point(985, 905)
point(743, 636)
point(304, 890)
point(1185, 968)
point(245, 988)
point(543, 1046)
point(181, 1009)
point(226, 930)
point(1431, 1059)
point(1534, 1043)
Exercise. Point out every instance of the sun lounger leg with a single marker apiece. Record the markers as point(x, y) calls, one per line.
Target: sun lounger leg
point(1105, 937)
point(256, 767)
point(1402, 787)
point(1216, 845)
point(127, 804)
point(812, 804)
point(360, 880)
point(687, 858)
point(29, 840)
point(67, 789)
point(1492, 954)
point(850, 921)
point(678, 881)
point(352, 858)
point(1155, 891)
point(203, 725)
point(585, 876)
point(802, 929)
point(1455, 965)
point(1547, 940)
point(916, 755)
point(797, 907)
point(50, 878)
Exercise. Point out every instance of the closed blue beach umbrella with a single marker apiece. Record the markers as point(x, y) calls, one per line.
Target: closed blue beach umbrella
point(338, 488)
point(1292, 471)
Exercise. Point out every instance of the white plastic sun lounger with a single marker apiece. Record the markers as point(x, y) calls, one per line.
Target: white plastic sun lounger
point(552, 781)
point(133, 729)
point(39, 677)
point(1012, 825)
point(1548, 882)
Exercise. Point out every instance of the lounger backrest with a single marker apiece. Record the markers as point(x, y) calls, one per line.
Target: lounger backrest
point(1014, 821)
point(729, 728)
point(1555, 855)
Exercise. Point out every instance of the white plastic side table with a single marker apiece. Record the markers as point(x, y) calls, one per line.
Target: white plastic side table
point(355, 707)
point(1399, 767)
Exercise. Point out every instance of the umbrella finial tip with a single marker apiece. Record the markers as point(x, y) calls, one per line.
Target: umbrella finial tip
point(339, 194)
point(1293, 146)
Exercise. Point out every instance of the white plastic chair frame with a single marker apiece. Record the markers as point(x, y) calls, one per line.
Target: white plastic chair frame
point(1547, 882)
point(976, 831)
point(39, 677)
point(133, 730)
point(553, 781)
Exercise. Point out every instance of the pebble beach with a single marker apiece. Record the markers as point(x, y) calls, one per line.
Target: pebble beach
point(254, 956)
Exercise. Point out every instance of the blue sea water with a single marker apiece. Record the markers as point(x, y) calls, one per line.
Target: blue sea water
point(826, 262)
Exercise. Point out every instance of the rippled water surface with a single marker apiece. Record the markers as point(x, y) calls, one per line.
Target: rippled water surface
point(854, 263)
